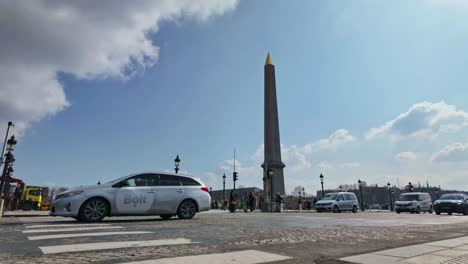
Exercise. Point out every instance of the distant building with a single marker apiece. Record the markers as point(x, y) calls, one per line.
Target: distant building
point(217, 195)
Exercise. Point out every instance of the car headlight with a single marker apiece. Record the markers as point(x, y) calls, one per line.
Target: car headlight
point(459, 203)
point(436, 202)
point(67, 194)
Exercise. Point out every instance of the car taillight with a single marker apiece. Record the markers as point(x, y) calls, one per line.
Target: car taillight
point(205, 189)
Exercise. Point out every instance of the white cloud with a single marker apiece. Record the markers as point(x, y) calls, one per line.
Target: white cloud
point(349, 165)
point(405, 156)
point(324, 166)
point(456, 152)
point(450, 3)
point(337, 138)
point(88, 39)
point(424, 119)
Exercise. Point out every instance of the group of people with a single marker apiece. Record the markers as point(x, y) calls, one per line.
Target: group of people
point(247, 201)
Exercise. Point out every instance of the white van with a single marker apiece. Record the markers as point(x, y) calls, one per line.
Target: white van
point(414, 202)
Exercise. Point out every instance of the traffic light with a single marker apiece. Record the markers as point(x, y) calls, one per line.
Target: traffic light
point(234, 176)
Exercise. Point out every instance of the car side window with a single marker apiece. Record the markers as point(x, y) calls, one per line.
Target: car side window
point(340, 198)
point(350, 197)
point(142, 180)
point(168, 180)
point(186, 181)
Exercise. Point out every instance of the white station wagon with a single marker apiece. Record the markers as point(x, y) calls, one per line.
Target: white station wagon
point(147, 193)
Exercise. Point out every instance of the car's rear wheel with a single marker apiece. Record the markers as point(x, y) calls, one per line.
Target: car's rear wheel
point(187, 209)
point(430, 210)
point(166, 217)
point(93, 210)
point(336, 209)
point(418, 210)
point(354, 209)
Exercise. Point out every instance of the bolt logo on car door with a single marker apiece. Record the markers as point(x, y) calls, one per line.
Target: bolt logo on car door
point(135, 200)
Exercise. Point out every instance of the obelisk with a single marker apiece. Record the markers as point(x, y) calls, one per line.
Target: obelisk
point(272, 165)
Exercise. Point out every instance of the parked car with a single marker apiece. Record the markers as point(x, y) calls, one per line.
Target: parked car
point(414, 202)
point(149, 193)
point(338, 202)
point(452, 203)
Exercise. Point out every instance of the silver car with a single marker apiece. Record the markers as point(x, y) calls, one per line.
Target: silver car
point(337, 202)
point(414, 202)
point(148, 193)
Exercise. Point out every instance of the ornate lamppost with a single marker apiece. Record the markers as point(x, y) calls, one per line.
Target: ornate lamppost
point(390, 196)
point(360, 192)
point(224, 187)
point(321, 182)
point(177, 163)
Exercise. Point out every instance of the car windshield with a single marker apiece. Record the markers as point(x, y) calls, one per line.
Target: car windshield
point(409, 197)
point(116, 180)
point(452, 197)
point(331, 196)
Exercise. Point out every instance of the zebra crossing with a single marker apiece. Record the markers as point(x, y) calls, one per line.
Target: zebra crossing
point(48, 238)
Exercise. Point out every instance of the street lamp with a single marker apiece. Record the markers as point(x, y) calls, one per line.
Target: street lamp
point(211, 189)
point(321, 182)
point(390, 196)
point(341, 188)
point(360, 192)
point(224, 187)
point(177, 163)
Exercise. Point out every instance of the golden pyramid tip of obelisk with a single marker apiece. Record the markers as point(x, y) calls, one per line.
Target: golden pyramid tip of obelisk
point(268, 60)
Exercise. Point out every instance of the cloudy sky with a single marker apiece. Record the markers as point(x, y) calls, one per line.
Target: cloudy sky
point(370, 90)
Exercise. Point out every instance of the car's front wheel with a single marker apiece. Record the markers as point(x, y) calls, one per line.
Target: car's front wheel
point(354, 209)
point(430, 210)
point(418, 210)
point(187, 209)
point(93, 210)
point(437, 213)
point(336, 209)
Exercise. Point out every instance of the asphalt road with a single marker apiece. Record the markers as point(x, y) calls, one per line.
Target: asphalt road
point(232, 238)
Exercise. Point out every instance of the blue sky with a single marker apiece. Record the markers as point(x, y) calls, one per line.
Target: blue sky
point(190, 82)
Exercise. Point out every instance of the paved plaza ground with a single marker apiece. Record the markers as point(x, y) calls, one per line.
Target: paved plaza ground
point(220, 237)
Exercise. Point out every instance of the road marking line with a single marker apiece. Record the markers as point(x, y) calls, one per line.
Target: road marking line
point(89, 235)
point(236, 257)
point(112, 245)
point(64, 225)
point(71, 229)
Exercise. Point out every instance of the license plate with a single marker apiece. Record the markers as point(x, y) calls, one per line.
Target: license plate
point(446, 208)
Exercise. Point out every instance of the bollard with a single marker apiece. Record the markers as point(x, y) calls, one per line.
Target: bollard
point(300, 208)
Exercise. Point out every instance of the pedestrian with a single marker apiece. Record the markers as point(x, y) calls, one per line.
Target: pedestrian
point(245, 203)
point(279, 202)
point(299, 201)
point(251, 198)
point(232, 202)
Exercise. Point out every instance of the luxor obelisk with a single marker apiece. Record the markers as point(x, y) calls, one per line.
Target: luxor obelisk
point(272, 165)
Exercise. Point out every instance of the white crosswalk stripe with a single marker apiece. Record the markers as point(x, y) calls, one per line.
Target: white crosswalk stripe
point(70, 229)
point(113, 245)
point(236, 257)
point(64, 225)
point(89, 235)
